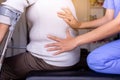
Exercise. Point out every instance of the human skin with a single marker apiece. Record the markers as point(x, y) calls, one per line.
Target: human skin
point(111, 27)
point(70, 19)
point(3, 31)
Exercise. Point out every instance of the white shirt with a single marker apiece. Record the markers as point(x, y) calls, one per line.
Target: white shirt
point(43, 19)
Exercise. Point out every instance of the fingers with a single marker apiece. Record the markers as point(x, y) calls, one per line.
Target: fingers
point(65, 14)
point(58, 52)
point(54, 49)
point(61, 15)
point(54, 38)
point(67, 10)
point(51, 45)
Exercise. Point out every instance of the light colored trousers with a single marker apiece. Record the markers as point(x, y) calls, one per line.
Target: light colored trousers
point(106, 59)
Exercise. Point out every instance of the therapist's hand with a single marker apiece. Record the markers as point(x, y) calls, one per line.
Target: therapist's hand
point(61, 45)
point(68, 17)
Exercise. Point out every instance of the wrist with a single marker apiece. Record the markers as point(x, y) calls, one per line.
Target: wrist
point(76, 41)
point(77, 25)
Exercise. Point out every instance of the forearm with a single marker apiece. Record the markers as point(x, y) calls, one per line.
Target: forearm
point(100, 33)
point(3, 31)
point(94, 23)
point(109, 15)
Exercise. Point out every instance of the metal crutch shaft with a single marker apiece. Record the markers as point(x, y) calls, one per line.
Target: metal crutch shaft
point(5, 48)
point(14, 15)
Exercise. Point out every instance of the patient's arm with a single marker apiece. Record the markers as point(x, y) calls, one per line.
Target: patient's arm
point(3, 31)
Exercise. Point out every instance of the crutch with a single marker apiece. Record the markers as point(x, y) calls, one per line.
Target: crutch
point(14, 16)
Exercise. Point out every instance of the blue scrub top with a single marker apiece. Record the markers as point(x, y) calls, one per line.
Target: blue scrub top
point(112, 4)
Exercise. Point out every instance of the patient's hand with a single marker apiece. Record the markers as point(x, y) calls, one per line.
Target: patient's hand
point(68, 17)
